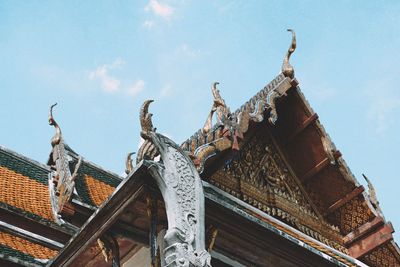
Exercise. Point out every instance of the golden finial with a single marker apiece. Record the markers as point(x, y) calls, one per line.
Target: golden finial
point(57, 136)
point(288, 69)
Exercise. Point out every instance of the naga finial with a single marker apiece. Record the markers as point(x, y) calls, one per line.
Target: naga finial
point(147, 150)
point(372, 192)
point(218, 106)
point(145, 119)
point(57, 136)
point(219, 103)
point(128, 163)
point(288, 69)
point(372, 196)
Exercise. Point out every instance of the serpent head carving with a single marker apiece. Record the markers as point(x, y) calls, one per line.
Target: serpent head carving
point(57, 136)
point(128, 163)
point(145, 119)
point(147, 150)
point(288, 69)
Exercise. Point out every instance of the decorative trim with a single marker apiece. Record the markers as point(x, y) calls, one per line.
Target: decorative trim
point(230, 128)
point(182, 191)
point(61, 181)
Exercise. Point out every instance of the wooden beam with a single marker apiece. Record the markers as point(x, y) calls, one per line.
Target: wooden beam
point(363, 230)
point(358, 190)
point(294, 83)
point(35, 238)
point(137, 235)
point(320, 166)
point(307, 122)
point(46, 229)
point(372, 241)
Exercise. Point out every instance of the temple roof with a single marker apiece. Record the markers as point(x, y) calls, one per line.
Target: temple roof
point(25, 200)
point(269, 164)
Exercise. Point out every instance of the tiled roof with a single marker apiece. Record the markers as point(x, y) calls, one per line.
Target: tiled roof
point(25, 191)
point(93, 184)
point(24, 186)
point(98, 190)
point(11, 242)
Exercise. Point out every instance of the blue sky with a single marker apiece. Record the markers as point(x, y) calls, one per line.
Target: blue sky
point(101, 59)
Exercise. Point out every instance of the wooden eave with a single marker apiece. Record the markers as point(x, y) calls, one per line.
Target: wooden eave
point(315, 161)
point(261, 236)
point(333, 186)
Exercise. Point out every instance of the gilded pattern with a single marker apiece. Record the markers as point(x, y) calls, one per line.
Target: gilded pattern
point(352, 215)
point(381, 257)
point(259, 176)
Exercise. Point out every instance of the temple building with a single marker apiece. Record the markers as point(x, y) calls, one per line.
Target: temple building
point(263, 185)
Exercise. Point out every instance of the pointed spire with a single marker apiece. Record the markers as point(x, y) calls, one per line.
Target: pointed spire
point(288, 69)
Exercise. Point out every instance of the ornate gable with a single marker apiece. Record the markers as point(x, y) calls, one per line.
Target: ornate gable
point(260, 176)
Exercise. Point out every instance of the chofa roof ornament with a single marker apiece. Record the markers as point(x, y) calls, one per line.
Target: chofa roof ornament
point(182, 191)
point(219, 107)
point(147, 150)
point(288, 69)
point(372, 196)
point(58, 135)
point(128, 162)
point(61, 181)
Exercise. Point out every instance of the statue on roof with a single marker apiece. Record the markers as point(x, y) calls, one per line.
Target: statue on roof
point(182, 191)
point(57, 136)
point(288, 69)
point(372, 196)
point(147, 150)
point(62, 181)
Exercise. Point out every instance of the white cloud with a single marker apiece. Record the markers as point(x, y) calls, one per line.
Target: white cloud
point(160, 9)
point(148, 24)
point(108, 82)
point(136, 88)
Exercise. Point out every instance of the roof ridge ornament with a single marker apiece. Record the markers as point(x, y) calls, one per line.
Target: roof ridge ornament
point(181, 188)
point(372, 196)
point(219, 107)
point(61, 181)
point(288, 69)
point(128, 163)
point(147, 150)
point(58, 135)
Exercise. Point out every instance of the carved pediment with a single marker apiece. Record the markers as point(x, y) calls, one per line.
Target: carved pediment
point(260, 176)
